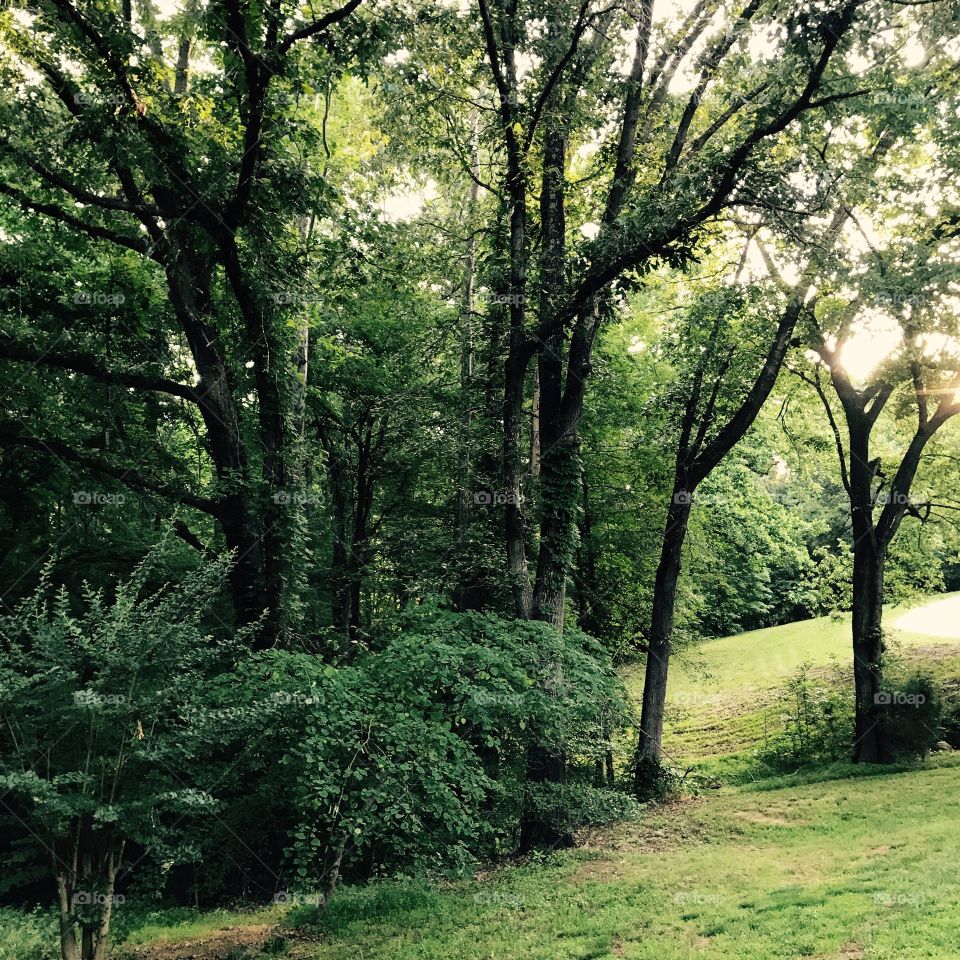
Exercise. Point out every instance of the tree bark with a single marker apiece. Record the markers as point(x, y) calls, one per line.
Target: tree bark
point(870, 742)
point(661, 624)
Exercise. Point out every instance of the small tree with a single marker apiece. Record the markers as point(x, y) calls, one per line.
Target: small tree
point(97, 749)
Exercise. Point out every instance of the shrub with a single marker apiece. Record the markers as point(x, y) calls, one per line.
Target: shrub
point(654, 780)
point(912, 715)
point(98, 760)
point(579, 805)
point(818, 724)
point(412, 756)
point(27, 936)
point(950, 723)
point(817, 721)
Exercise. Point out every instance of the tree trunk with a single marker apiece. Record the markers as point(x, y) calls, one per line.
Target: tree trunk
point(515, 531)
point(869, 557)
point(188, 274)
point(661, 625)
point(69, 947)
point(466, 374)
point(559, 489)
point(870, 744)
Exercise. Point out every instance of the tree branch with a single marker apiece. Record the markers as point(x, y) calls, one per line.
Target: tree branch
point(11, 436)
point(91, 230)
point(90, 366)
point(312, 29)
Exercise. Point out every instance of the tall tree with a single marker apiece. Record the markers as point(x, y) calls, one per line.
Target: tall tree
point(183, 166)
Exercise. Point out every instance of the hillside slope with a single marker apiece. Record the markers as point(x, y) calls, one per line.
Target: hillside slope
point(725, 695)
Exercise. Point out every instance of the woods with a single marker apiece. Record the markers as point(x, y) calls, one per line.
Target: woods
point(386, 386)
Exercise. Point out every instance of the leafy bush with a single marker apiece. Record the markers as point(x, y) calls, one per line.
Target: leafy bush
point(912, 715)
point(412, 756)
point(950, 722)
point(27, 936)
point(579, 804)
point(654, 780)
point(99, 763)
point(817, 721)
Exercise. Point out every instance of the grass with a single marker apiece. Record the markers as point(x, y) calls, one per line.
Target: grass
point(852, 868)
point(178, 924)
point(725, 695)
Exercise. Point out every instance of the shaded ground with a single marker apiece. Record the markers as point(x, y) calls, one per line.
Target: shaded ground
point(228, 943)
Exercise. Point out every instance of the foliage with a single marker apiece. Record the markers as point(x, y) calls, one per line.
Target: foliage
point(27, 936)
point(912, 713)
point(98, 758)
point(817, 718)
point(655, 780)
point(411, 756)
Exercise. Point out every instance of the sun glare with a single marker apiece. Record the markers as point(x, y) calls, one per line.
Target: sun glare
point(874, 339)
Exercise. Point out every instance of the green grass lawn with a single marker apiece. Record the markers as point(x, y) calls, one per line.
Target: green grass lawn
point(862, 867)
point(851, 868)
point(725, 695)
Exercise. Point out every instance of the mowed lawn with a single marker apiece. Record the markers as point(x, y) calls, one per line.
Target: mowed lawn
point(857, 868)
point(725, 696)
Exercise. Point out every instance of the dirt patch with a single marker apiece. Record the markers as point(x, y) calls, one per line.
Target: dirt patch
point(603, 871)
point(225, 944)
point(767, 819)
point(850, 951)
point(667, 827)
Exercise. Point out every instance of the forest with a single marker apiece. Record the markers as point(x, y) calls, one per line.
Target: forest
point(479, 478)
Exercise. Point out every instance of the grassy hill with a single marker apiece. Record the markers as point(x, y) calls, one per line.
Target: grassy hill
point(726, 695)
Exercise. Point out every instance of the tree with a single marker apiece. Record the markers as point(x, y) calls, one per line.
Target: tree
point(184, 167)
point(924, 373)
